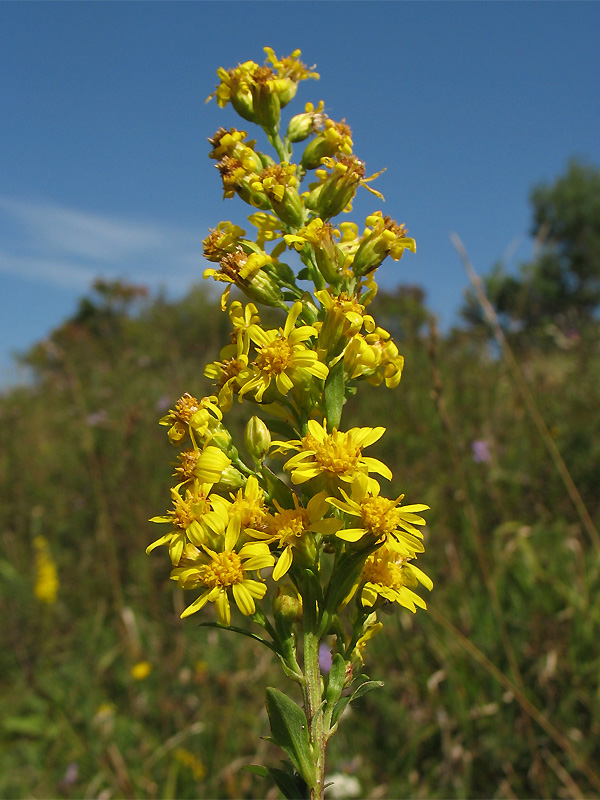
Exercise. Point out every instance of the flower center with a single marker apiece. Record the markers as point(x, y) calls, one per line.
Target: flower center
point(223, 571)
point(379, 570)
point(186, 407)
point(288, 524)
point(251, 512)
point(183, 515)
point(379, 515)
point(189, 460)
point(230, 369)
point(188, 510)
point(274, 358)
point(335, 454)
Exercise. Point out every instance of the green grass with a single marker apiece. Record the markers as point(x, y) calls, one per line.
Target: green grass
point(491, 693)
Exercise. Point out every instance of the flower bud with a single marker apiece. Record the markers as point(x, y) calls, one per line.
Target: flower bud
point(257, 438)
point(302, 125)
point(231, 479)
point(291, 210)
point(300, 128)
point(287, 604)
point(305, 551)
point(265, 100)
point(221, 438)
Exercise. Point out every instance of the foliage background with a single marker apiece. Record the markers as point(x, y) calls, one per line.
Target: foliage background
point(493, 692)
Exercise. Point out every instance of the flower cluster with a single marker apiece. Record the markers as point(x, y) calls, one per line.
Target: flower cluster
point(303, 512)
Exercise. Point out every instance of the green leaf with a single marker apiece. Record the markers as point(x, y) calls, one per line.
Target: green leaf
point(341, 704)
point(256, 769)
point(281, 427)
point(365, 687)
point(32, 725)
point(289, 296)
point(338, 709)
point(277, 489)
point(292, 787)
point(290, 732)
point(235, 629)
point(290, 784)
point(337, 676)
point(282, 270)
point(334, 395)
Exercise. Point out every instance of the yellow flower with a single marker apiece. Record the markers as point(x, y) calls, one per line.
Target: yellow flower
point(281, 357)
point(188, 759)
point(343, 320)
point(374, 356)
point(225, 376)
point(219, 573)
point(287, 527)
point(195, 517)
point(141, 670)
point(335, 137)
point(336, 455)
point(231, 143)
point(223, 239)
point(234, 356)
point(46, 575)
point(234, 88)
point(257, 93)
point(329, 257)
point(205, 465)
point(269, 227)
point(190, 414)
point(335, 190)
point(279, 183)
point(381, 238)
point(371, 628)
point(291, 68)
point(242, 317)
point(249, 505)
point(248, 274)
point(381, 518)
point(385, 576)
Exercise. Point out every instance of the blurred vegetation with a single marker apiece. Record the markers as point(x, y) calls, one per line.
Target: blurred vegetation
point(105, 693)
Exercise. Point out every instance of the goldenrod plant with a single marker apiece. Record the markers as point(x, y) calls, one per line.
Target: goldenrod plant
point(297, 531)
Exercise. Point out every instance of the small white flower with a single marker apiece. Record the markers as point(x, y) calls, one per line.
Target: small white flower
point(343, 786)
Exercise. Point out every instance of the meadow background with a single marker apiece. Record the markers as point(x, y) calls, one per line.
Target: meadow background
point(493, 692)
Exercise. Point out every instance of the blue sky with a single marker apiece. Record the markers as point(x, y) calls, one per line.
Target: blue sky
point(104, 167)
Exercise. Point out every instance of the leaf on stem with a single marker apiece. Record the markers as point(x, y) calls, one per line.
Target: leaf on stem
point(334, 395)
point(290, 732)
point(361, 690)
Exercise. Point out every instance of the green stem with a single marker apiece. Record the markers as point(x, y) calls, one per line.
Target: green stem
point(313, 692)
point(275, 140)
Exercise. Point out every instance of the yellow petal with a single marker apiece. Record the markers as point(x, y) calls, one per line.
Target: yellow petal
point(223, 609)
point(283, 564)
point(243, 599)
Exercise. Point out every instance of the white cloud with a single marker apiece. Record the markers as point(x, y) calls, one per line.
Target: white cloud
point(68, 248)
point(56, 273)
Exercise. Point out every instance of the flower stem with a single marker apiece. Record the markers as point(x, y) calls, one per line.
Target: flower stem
point(313, 692)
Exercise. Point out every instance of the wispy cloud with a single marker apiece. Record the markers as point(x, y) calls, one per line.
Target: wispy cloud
point(46, 270)
point(68, 248)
